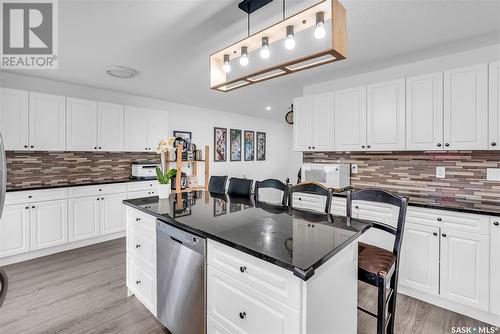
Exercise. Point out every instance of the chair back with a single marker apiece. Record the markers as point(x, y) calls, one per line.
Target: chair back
point(271, 184)
point(382, 196)
point(4, 284)
point(217, 184)
point(311, 188)
point(239, 187)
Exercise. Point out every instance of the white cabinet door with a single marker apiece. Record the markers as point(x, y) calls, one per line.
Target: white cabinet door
point(47, 122)
point(14, 230)
point(48, 223)
point(465, 268)
point(81, 116)
point(136, 129)
point(495, 265)
point(14, 118)
point(419, 268)
point(302, 123)
point(386, 116)
point(494, 106)
point(157, 128)
point(424, 112)
point(350, 119)
point(112, 214)
point(110, 127)
point(83, 218)
point(466, 108)
point(322, 126)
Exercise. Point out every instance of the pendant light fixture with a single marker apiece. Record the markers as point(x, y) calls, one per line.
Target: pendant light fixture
point(325, 20)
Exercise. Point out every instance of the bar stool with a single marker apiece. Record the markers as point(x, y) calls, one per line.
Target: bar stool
point(217, 184)
point(4, 284)
point(311, 188)
point(239, 187)
point(271, 184)
point(376, 266)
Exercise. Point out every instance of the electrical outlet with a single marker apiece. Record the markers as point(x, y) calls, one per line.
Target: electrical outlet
point(354, 169)
point(493, 174)
point(440, 172)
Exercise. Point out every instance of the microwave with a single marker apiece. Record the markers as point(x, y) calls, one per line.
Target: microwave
point(336, 176)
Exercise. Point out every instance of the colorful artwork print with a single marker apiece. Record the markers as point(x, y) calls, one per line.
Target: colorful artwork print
point(220, 207)
point(220, 144)
point(249, 145)
point(261, 146)
point(235, 144)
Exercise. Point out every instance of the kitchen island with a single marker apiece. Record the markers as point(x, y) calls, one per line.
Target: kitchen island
point(266, 269)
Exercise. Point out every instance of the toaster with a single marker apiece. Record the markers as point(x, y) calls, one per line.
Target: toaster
point(144, 170)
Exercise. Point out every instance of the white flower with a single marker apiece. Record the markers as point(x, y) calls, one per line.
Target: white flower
point(165, 145)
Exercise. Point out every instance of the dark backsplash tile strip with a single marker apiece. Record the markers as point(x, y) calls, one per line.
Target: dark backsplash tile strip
point(49, 169)
point(413, 174)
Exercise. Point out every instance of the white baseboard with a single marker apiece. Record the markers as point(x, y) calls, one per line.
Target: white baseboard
point(483, 316)
point(61, 248)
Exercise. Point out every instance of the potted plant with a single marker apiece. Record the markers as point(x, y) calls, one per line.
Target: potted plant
point(164, 188)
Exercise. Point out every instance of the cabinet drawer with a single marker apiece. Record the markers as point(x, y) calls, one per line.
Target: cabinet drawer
point(29, 196)
point(267, 278)
point(242, 309)
point(141, 185)
point(143, 284)
point(338, 206)
point(309, 202)
point(141, 248)
point(103, 189)
point(141, 223)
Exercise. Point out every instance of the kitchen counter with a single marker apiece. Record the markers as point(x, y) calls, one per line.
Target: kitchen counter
point(78, 184)
point(272, 234)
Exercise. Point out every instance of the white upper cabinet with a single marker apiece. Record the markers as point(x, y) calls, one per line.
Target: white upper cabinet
point(110, 127)
point(350, 119)
point(313, 123)
point(47, 122)
point(424, 112)
point(14, 118)
point(465, 108)
point(81, 125)
point(302, 123)
point(157, 128)
point(494, 108)
point(386, 116)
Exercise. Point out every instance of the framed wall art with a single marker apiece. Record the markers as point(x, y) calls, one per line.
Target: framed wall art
point(249, 140)
point(261, 146)
point(235, 145)
point(220, 144)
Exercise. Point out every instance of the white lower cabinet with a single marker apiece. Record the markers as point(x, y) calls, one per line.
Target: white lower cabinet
point(419, 264)
point(83, 218)
point(112, 214)
point(14, 230)
point(213, 327)
point(495, 265)
point(464, 268)
point(48, 223)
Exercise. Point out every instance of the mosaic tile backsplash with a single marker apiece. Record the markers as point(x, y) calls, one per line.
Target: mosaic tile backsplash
point(49, 169)
point(413, 174)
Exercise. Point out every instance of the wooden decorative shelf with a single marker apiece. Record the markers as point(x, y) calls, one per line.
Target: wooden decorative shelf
point(178, 163)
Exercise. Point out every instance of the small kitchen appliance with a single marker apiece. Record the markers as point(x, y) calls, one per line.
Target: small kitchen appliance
point(144, 170)
point(184, 181)
point(335, 176)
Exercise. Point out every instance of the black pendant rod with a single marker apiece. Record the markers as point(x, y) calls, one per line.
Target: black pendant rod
point(284, 8)
point(248, 25)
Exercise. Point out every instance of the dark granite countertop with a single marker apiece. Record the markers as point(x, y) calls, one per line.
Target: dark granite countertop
point(272, 234)
point(77, 184)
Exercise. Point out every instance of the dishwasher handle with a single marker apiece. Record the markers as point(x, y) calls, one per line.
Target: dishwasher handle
point(186, 239)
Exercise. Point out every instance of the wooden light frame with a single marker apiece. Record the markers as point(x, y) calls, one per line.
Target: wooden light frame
point(277, 32)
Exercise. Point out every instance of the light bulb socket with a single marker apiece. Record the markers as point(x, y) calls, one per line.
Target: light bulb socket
point(320, 17)
point(290, 31)
point(226, 59)
point(244, 50)
point(265, 41)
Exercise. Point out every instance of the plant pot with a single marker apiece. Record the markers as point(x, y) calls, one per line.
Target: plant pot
point(164, 190)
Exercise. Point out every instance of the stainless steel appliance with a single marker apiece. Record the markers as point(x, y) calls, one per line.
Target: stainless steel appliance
point(3, 175)
point(143, 170)
point(181, 280)
point(336, 176)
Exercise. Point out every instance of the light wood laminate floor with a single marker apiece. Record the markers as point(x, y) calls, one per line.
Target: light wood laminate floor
point(83, 291)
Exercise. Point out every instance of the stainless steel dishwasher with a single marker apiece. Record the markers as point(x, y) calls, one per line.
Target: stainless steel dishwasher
point(181, 280)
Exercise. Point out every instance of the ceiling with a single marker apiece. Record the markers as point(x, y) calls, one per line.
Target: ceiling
point(168, 42)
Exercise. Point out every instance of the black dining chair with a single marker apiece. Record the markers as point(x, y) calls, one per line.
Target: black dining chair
point(217, 184)
point(239, 187)
point(311, 188)
point(4, 284)
point(271, 184)
point(376, 266)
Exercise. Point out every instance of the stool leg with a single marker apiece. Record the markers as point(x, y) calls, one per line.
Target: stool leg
point(381, 305)
point(392, 303)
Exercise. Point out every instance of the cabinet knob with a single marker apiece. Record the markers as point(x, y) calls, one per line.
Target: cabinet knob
point(368, 146)
point(32, 146)
point(137, 282)
point(356, 207)
point(138, 219)
point(243, 269)
point(446, 144)
point(312, 225)
point(309, 147)
point(439, 219)
point(30, 196)
point(300, 198)
point(27, 207)
point(25, 146)
point(496, 223)
point(100, 147)
point(444, 235)
point(439, 145)
point(95, 147)
point(102, 198)
point(493, 144)
point(33, 207)
point(137, 246)
point(362, 146)
point(314, 147)
point(243, 315)
point(308, 225)
point(435, 234)
point(97, 198)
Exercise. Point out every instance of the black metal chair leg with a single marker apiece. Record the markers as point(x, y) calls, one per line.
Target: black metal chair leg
point(381, 305)
point(392, 304)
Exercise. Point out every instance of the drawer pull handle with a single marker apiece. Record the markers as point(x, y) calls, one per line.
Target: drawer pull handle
point(137, 246)
point(444, 235)
point(138, 219)
point(496, 223)
point(243, 315)
point(439, 219)
point(435, 234)
point(308, 225)
point(243, 269)
point(356, 207)
point(137, 282)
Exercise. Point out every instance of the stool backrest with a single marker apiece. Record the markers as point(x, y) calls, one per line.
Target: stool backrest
point(273, 184)
point(311, 188)
point(382, 196)
point(239, 187)
point(217, 184)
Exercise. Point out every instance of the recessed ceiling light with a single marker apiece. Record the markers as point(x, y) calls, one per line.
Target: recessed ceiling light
point(268, 108)
point(122, 72)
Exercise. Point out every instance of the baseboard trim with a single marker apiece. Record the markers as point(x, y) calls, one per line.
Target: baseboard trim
point(61, 248)
point(483, 316)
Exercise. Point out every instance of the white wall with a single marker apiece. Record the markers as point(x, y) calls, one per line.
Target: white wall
point(199, 121)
